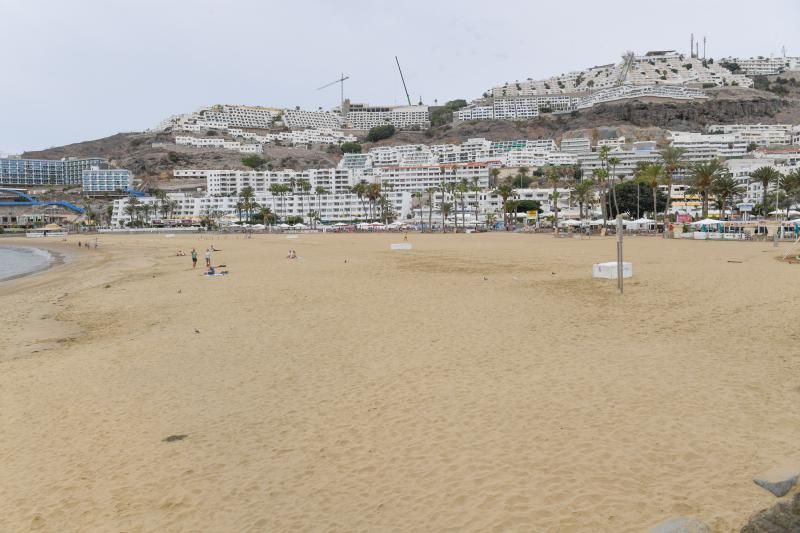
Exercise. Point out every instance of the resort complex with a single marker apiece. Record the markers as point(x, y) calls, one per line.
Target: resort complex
point(565, 303)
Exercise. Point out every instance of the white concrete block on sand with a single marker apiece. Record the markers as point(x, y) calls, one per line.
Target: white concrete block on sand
point(609, 270)
point(779, 480)
point(291, 236)
point(401, 246)
point(681, 524)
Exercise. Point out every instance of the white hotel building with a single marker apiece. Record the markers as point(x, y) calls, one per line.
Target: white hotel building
point(215, 142)
point(760, 134)
point(299, 119)
point(764, 66)
point(365, 117)
point(702, 146)
point(420, 178)
point(522, 107)
point(628, 160)
point(331, 207)
point(106, 181)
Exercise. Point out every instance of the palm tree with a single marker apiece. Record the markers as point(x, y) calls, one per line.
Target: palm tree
point(430, 191)
point(446, 207)
point(161, 200)
point(522, 173)
point(319, 191)
point(791, 187)
point(109, 214)
point(582, 192)
point(703, 176)
point(601, 174)
point(725, 188)
point(651, 175)
point(132, 208)
point(417, 196)
point(88, 209)
point(239, 209)
point(494, 173)
point(305, 187)
point(247, 195)
point(476, 190)
point(313, 217)
point(612, 163)
point(267, 216)
point(164, 207)
point(553, 177)
point(373, 194)
point(146, 208)
point(673, 161)
point(462, 190)
point(505, 192)
point(360, 189)
point(276, 189)
point(765, 176)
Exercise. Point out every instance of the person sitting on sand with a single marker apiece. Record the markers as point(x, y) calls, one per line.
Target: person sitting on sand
point(291, 255)
point(214, 272)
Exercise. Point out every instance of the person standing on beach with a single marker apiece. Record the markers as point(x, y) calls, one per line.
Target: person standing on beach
point(208, 257)
point(194, 258)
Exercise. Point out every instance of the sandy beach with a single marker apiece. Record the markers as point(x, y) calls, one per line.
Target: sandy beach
point(476, 383)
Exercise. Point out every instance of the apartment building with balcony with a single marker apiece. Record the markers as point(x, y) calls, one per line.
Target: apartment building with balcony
point(106, 181)
point(28, 172)
point(705, 146)
point(759, 134)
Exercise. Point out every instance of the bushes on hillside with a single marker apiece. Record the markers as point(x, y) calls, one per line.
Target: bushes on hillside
point(350, 148)
point(378, 133)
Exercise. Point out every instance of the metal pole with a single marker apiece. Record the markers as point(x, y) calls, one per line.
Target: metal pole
point(619, 253)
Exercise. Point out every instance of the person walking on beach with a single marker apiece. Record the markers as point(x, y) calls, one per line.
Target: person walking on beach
point(194, 258)
point(208, 257)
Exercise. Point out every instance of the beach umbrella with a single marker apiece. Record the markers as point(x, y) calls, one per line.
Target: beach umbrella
point(705, 222)
point(284, 226)
point(300, 226)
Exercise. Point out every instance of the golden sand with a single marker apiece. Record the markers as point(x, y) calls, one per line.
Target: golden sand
point(476, 383)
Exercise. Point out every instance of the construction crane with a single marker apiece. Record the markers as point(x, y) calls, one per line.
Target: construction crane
point(341, 82)
point(403, 80)
point(627, 62)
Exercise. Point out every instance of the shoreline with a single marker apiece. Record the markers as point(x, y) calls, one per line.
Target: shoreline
point(54, 258)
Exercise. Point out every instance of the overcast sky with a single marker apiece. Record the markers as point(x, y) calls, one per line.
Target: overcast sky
point(73, 70)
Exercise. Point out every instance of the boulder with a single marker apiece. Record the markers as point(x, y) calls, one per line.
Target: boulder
point(681, 524)
point(779, 480)
point(780, 518)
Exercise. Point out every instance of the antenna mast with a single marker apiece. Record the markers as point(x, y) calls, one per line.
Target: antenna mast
point(403, 80)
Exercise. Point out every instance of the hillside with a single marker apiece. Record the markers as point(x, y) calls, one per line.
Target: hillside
point(135, 151)
point(636, 119)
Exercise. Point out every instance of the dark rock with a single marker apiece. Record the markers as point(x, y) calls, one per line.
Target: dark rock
point(783, 517)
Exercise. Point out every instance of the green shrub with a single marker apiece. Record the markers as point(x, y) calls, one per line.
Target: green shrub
point(378, 133)
point(350, 148)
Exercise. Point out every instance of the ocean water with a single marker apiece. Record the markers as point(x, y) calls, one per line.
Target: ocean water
point(19, 261)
